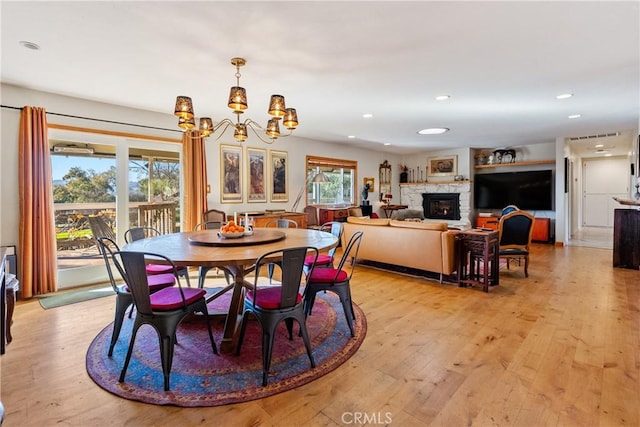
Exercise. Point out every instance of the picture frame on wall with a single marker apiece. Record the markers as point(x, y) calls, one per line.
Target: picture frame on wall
point(442, 166)
point(230, 174)
point(256, 178)
point(370, 181)
point(279, 176)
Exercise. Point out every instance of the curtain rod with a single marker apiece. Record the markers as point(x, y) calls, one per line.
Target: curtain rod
point(97, 120)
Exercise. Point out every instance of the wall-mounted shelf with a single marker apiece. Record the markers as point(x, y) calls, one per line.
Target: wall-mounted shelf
point(528, 163)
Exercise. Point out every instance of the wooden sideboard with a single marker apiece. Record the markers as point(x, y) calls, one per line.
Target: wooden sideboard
point(263, 219)
point(332, 214)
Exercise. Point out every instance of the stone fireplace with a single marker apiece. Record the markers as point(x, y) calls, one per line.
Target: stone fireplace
point(411, 195)
point(441, 205)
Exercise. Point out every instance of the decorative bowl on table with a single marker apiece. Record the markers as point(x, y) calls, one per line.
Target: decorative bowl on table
point(230, 235)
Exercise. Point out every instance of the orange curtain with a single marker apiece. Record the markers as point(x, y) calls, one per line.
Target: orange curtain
point(195, 180)
point(37, 266)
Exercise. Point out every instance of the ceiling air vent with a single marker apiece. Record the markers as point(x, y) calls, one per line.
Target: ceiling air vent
point(589, 137)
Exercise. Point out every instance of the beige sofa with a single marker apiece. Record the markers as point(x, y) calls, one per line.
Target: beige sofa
point(426, 246)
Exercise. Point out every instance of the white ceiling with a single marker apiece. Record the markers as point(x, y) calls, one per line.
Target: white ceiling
point(503, 63)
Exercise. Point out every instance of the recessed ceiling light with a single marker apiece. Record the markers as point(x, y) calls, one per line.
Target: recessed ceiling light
point(351, 136)
point(29, 45)
point(367, 115)
point(564, 96)
point(608, 155)
point(387, 143)
point(574, 116)
point(442, 97)
point(599, 145)
point(433, 131)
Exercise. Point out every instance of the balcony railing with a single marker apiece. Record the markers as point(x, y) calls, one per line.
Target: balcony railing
point(74, 234)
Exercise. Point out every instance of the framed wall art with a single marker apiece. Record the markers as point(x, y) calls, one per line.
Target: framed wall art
point(369, 182)
point(442, 166)
point(256, 178)
point(230, 174)
point(279, 176)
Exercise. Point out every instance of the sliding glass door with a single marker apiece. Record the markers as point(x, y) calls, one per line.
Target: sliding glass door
point(103, 185)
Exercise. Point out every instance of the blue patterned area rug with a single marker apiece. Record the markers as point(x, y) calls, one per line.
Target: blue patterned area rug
point(200, 378)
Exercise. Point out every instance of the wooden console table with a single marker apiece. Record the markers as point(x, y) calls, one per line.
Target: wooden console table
point(263, 219)
point(475, 247)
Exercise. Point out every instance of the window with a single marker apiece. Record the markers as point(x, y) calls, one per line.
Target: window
point(340, 188)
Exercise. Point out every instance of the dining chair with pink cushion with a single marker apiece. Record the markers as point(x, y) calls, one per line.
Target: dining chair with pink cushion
point(336, 280)
point(139, 233)
point(271, 303)
point(163, 310)
point(107, 248)
point(326, 259)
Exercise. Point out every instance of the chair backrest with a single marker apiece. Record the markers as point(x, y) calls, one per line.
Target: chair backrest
point(312, 215)
point(107, 248)
point(351, 251)
point(208, 225)
point(292, 269)
point(335, 228)
point(100, 228)
point(132, 267)
point(139, 233)
point(509, 208)
point(282, 223)
point(214, 215)
point(515, 230)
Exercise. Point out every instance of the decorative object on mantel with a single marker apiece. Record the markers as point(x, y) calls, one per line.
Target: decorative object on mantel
point(404, 173)
point(238, 103)
point(637, 195)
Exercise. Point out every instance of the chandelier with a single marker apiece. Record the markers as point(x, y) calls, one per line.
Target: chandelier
point(238, 103)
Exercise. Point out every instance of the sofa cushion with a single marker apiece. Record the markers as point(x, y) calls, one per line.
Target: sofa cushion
point(368, 221)
point(437, 226)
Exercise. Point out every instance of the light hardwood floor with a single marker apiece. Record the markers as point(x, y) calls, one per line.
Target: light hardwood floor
point(560, 348)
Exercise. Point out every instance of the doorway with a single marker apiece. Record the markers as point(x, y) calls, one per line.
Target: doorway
point(603, 179)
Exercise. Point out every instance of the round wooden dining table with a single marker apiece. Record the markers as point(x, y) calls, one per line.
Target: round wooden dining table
point(206, 248)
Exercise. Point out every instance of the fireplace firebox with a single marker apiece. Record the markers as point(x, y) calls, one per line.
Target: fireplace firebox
point(441, 205)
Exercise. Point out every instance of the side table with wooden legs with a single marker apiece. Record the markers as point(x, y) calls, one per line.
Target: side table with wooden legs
point(478, 248)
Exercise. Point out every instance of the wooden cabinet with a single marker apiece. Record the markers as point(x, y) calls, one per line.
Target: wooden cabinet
point(263, 220)
point(332, 214)
point(487, 222)
point(626, 238)
point(541, 227)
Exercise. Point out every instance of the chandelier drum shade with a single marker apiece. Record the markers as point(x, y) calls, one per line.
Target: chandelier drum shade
point(238, 103)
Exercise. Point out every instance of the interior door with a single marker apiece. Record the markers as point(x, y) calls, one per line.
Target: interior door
point(603, 179)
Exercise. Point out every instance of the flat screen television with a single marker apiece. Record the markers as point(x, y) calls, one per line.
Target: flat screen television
point(529, 190)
